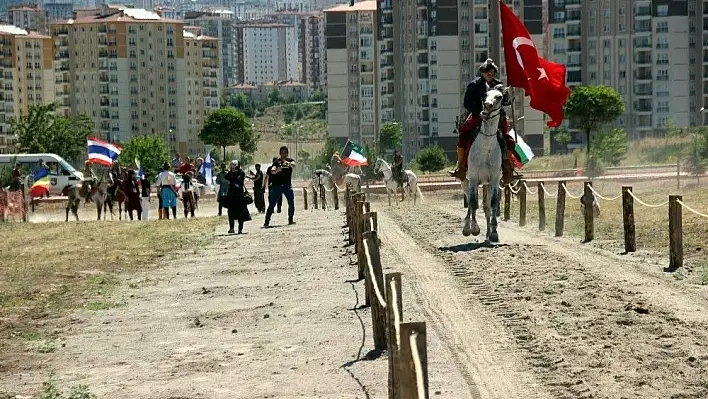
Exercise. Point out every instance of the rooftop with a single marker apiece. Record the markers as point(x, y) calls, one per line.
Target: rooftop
point(116, 14)
point(15, 31)
point(369, 5)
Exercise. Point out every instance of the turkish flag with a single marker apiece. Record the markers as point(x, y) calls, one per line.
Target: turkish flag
point(543, 80)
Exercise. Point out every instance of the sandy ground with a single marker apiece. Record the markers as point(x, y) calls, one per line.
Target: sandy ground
point(274, 313)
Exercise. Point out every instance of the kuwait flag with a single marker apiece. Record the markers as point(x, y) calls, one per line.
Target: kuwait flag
point(521, 149)
point(353, 155)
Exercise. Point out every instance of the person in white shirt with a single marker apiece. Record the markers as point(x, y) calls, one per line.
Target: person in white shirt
point(167, 181)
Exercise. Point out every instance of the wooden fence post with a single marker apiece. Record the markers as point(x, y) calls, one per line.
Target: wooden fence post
point(589, 215)
point(314, 197)
point(408, 381)
point(335, 192)
point(541, 206)
point(394, 306)
point(560, 209)
point(372, 218)
point(522, 203)
point(304, 197)
point(675, 232)
point(323, 196)
point(630, 240)
point(507, 202)
point(368, 191)
point(359, 229)
point(378, 309)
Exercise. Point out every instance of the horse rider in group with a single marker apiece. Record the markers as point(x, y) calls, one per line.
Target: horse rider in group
point(468, 131)
point(398, 173)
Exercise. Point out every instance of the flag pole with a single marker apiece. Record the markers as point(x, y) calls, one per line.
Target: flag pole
point(513, 114)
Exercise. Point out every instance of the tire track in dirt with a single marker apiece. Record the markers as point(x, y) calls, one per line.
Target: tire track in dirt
point(584, 335)
point(489, 370)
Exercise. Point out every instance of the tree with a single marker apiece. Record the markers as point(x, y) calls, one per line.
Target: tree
point(239, 100)
point(151, 151)
point(317, 95)
point(562, 137)
point(611, 146)
point(431, 159)
point(591, 107)
point(390, 137)
point(225, 127)
point(42, 131)
point(275, 97)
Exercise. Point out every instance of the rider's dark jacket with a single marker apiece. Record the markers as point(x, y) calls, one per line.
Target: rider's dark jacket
point(476, 90)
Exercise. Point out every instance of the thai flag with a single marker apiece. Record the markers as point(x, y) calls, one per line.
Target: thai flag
point(102, 152)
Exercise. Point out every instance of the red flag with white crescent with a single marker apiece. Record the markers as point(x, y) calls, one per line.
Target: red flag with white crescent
point(543, 80)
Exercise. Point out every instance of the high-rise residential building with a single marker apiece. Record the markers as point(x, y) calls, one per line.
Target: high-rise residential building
point(308, 28)
point(269, 52)
point(353, 73)
point(127, 68)
point(27, 76)
point(221, 25)
point(314, 53)
point(58, 9)
point(30, 17)
point(647, 50)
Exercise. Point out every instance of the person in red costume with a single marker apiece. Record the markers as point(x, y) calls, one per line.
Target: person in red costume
point(474, 96)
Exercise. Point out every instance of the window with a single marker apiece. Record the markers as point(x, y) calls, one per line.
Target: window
point(662, 42)
point(606, 43)
point(621, 28)
point(662, 74)
point(606, 12)
point(662, 121)
point(662, 10)
point(662, 27)
point(558, 33)
point(662, 58)
point(606, 28)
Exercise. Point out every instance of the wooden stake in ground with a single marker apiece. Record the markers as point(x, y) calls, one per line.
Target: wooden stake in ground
point(394, 315)
point(675, 232)
point(560, 209)
point(522, 203)
point(378, 308)
point(335, 191)
point(304, 197)
point(630, 241)
point(507, 202)
point(588, 197)
point(413, 368)
point(541, 206)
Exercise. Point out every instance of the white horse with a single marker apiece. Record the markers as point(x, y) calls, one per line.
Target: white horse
point(325, 177)
point(391, 184)
point(484, 167)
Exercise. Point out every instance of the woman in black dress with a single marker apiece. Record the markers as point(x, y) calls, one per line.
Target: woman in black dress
point(235, 200)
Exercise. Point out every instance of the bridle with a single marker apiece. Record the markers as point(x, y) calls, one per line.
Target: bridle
point(492, 114)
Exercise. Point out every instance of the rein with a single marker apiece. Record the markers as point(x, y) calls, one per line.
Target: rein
point(495, 113)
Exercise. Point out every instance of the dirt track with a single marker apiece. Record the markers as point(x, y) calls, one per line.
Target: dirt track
point(536, 317)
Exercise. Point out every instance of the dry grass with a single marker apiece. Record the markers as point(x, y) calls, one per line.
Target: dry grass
point(49, 269)
point(651, 224)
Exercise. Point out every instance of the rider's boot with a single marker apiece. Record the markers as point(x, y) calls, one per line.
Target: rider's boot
point(461, 167)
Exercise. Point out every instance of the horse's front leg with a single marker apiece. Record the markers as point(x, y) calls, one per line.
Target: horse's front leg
point(471, 226)
point(67, 213)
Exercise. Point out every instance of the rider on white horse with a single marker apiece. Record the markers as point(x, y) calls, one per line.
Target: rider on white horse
point(474, 95)
point(398, 174)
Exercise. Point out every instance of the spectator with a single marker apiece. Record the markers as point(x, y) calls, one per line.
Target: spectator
point(16, 182)
point(187, 191)
point(222, 185)
point(281, 176)
point(132, 196)
point(167, 181)
point(258, 196)
point(267, 183)
point(176, 162)
point(199, 168)
point(235, 200)
point(145, 194)
point(186, 167)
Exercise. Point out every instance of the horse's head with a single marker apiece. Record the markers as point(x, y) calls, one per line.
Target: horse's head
point(380, 165)
point(493, 101)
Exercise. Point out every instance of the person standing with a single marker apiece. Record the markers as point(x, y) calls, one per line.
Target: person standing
point(398, 174)
point(187, 190)
point(132, 195)
point(281, 176)
point(167, 182)
point(235, 200)
point(267, 182)
point(176, 162)
point(222, 185)
point(186, 167)
point(16, 182)
point(145, 194)
point(258, 195)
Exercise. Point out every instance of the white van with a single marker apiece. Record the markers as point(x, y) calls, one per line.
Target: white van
point(61, 173)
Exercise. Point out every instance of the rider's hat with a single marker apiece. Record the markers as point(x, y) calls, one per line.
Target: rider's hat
point(488, 65)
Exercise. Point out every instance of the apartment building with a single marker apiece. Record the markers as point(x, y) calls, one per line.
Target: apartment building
point(30, 17)
point(126, 69)
point(353, 74)
point(58, 9)
point(646, 50)
point(308, 28)
point(203, 83)
point(221, 25)
point(269, 52)
point(27, 76)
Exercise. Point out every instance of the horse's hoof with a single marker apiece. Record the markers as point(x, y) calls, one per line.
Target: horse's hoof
point(467, 230)
point(487, 242)
point(475, 229)
point(494, 237)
